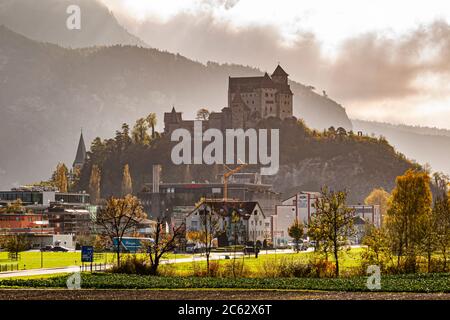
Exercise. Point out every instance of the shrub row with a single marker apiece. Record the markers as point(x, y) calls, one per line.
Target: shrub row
point(398, 283)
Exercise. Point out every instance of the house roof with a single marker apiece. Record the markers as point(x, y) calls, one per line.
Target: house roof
point(226, 208)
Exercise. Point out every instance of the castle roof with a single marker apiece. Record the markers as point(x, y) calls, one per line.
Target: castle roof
point(279, 71)
point(81, 152)
point(249, 83)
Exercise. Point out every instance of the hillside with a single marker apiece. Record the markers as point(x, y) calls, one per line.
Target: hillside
point(308, 159)
point(46, 22)
point(49, 92)
point(425, 145)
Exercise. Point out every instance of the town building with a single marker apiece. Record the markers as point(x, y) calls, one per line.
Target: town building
point(369, 213)
point(70, 218)
point(299, 206)
point(177, 199)
point(42, 196)
point(239, 222)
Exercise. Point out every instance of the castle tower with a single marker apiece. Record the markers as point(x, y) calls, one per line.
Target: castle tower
point(280, 76)
point(80, 158)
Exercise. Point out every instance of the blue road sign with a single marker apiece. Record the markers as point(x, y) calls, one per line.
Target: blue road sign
point(87, 254)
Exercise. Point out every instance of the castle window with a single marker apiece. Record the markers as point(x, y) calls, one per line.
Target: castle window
point(266, 94)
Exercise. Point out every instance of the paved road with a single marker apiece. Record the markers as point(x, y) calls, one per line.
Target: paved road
point(36, 272)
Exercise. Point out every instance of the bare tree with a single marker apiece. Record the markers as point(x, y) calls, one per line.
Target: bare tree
point(163, 242)
point(209, 227)
point(332, 224)
point(119, 217)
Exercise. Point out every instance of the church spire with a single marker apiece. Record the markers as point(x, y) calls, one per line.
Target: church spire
point(80, 158)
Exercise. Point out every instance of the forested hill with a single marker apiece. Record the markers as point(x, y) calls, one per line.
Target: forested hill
point(423, 144)
point(309, 160)
point(48, 93)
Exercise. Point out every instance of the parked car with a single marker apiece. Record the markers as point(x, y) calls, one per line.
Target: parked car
point(47, 248)
point(59, 249)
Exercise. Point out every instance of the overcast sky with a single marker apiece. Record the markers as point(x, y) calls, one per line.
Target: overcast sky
point(383, 60)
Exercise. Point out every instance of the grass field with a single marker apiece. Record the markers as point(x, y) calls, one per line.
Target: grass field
point(32, 259)
point(348, 260)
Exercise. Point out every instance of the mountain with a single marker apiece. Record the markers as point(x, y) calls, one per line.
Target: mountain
point(48, 93)
point(425, 145)
point(46, 22)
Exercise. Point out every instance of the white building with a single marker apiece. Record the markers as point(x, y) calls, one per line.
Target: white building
point(250, 223)
point(300, 206)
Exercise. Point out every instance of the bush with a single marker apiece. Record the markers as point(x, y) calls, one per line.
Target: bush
point(132, 265)
point(235, 268)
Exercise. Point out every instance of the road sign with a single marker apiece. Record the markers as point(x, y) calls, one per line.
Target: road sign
point(87, 254)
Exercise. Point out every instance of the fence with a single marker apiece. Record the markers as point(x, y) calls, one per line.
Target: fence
point(9, 267)
point(93, 267)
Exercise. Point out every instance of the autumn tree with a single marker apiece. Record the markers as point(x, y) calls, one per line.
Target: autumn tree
point(408, 214)
point(15, 207)
point(379, 196)
point(378, 250)
point(139, 133)
point(60, 178)
point(127, 185)
point(332, 223)
point(15, 244)
point(163, 243)
point(203, 114)
point(441, 217)
point(295, 231)
point(119, 217)
point(94, 184)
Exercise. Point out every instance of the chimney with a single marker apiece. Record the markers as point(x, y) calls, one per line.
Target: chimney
point(156, 177)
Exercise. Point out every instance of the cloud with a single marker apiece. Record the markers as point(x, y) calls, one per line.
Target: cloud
point(378, 71)
point(367, 67)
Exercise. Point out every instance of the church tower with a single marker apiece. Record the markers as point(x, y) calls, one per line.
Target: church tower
point(80, 158)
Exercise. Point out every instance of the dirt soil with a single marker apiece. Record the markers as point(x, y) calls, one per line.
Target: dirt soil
point(62, 294)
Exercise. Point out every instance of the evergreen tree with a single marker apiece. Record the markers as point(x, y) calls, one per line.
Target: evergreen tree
point(151, 120)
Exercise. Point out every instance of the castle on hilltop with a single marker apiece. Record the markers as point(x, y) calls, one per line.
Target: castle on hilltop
point(250, 99)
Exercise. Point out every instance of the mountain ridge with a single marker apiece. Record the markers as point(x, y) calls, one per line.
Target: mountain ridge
point(60, 89)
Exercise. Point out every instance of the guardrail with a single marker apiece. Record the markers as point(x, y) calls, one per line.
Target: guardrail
point(9, 267)
point(93, 267)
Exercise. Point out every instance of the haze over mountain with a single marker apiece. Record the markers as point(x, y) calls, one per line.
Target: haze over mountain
point(45, 21)
point(423, 144)
point(48, 93)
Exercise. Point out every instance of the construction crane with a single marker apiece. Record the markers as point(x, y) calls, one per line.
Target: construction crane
point(228, 174)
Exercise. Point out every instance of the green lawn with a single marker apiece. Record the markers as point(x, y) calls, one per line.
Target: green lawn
point(32, 259)
point(348, 260)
